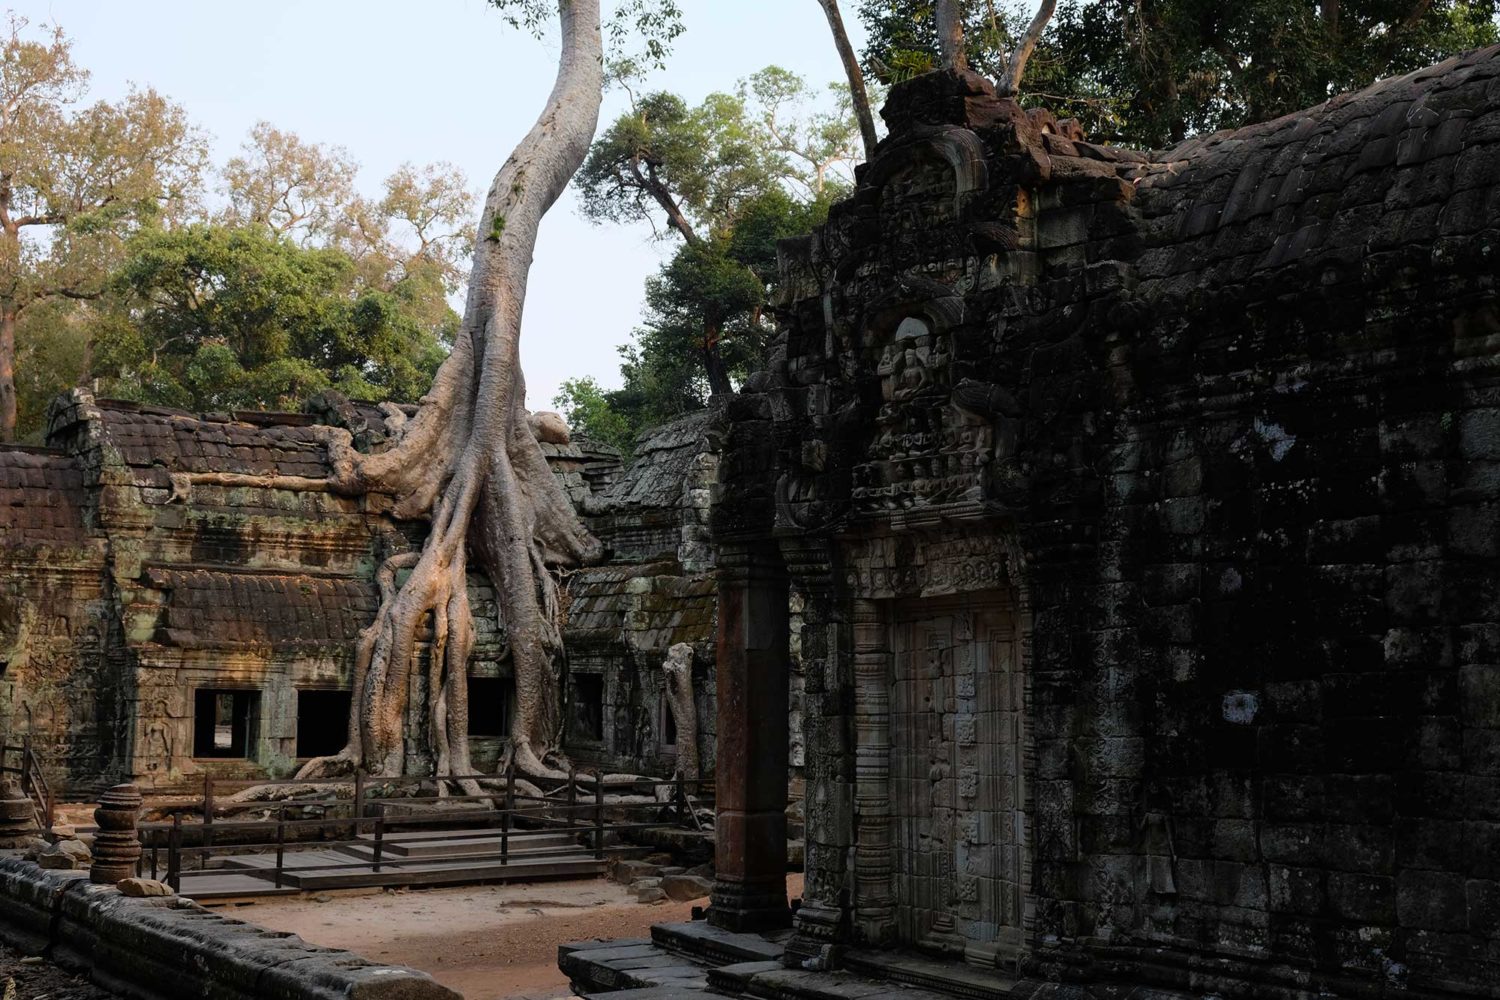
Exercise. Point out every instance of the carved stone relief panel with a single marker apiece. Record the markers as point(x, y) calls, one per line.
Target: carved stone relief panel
point(956, 774)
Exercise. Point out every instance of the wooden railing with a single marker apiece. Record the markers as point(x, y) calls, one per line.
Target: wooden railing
point(580, 808)
point(27, 768)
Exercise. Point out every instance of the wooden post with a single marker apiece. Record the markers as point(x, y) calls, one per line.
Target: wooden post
point(379, 834)
point(359, 802)
point(174, 854)
point(280, 844)
point(572, 795)
point(599, 815)
point(208, 812)
point(510, 805)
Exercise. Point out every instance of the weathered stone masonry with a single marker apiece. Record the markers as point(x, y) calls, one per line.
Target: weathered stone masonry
point(1147, 511)
point(159, 629)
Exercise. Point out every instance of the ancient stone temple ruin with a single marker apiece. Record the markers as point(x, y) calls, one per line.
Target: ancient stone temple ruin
point(1145, 509)
point(163, 616)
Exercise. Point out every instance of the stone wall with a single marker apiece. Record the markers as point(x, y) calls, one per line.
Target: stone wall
point(57, 630)
point(166, 947)
point(655, 590)
point(1220, 426)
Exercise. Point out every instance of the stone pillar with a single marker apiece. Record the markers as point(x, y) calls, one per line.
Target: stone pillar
point(750, 786)
point(822, 922)
point(874, 850)
point(17, 816)
point(117, 847)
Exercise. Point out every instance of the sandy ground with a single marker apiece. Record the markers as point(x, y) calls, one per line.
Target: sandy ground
point(486, 942)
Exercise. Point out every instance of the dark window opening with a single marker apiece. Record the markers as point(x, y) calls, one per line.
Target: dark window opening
point(225, 723)
point(588, 706)
point(489, 706)
point(668, 724)
point(322, 722)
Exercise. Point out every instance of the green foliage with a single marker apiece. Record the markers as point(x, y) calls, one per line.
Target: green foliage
point(215, 317)
point(591, 414)
point(1152, 72)
point(654, 24)
point(52, 353)
point(76, 179)
point(730, 177)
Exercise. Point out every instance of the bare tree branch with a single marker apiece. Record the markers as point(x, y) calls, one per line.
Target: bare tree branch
point(1010, 83)
point(857, 90)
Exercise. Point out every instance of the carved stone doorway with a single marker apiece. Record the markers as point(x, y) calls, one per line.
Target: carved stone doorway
point(957, 775)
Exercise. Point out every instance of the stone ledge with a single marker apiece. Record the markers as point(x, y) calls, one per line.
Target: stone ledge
point(151, 949)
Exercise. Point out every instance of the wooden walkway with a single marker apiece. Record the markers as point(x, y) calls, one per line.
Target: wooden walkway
point(426, 858)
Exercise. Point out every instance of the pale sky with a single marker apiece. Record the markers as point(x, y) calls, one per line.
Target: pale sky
point(427, 80)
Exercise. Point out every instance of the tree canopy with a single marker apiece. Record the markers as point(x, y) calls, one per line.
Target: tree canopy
point(127, 259)
point(216, 317)
point(728, 177)
point(75, 181)
point(1151, 72)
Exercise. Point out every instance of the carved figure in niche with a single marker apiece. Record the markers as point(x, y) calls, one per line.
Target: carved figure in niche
point(641, 733)
point(158, 746)
point(677, 670)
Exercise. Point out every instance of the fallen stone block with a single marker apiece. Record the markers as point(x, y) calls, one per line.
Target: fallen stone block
point(143, 887)
point(650, 894)
point(59, 861)
point(683, 888)
point(628, 870)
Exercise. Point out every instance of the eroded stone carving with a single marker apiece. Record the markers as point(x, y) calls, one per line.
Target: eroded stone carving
point(677, 670)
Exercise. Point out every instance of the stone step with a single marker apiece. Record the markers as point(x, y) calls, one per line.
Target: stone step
point(651, 993)
point(952, 978)
point(735, 979)
point(702, 941)
point(799, 984)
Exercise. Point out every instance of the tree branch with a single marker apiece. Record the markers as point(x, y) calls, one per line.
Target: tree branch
point(1010, 84)
point(653, 186)
point(1329, 9)
point(857, 90)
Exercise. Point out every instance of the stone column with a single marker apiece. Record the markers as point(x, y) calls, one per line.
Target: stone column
point(17, 816)
point(750, 786)
point(874, 850)
point(822, 922)
point(117, 847)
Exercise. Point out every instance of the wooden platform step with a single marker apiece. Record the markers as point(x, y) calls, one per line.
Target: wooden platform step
point(331, 871)
point(211, 885)
point(452, 847)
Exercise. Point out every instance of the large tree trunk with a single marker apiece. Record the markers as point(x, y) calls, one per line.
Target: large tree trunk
point(950, 31)
point(470, 462)
point(677, 671)
point(7, 370)
point(713, 361)
point(857, 91)
point(1009, 84)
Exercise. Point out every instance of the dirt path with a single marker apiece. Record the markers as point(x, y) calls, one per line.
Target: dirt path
point(33, 979)
point(486, 942)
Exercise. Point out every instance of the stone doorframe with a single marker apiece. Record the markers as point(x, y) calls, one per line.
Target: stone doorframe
point(955, 560)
